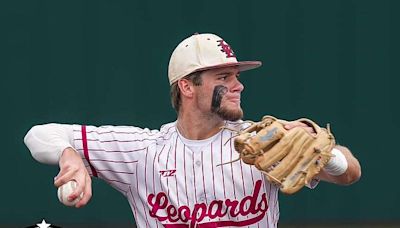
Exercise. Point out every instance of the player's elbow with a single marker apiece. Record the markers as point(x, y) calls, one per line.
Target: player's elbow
point(39, 146)
point(31, 141)
point(30, 138)
point(355, 176)
point(351, 176)
point(353, 172)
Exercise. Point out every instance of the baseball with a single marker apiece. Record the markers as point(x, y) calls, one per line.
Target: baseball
point(65, 190)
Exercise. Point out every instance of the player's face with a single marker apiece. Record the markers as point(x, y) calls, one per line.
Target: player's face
point(220, 93)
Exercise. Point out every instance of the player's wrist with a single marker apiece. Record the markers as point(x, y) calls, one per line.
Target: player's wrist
point(338, 164)
point(69, 151)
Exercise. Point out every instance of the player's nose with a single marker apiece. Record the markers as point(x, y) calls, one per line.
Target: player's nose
point(237, 86)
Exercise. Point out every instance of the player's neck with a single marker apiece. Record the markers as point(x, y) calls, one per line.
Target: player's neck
point(197, 127)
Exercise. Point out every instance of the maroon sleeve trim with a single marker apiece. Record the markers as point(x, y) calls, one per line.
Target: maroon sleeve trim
point(86, 150)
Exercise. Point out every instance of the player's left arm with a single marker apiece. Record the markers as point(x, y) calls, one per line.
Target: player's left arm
point(351, 174)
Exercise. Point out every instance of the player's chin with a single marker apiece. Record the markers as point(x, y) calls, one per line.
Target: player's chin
point(231, 113)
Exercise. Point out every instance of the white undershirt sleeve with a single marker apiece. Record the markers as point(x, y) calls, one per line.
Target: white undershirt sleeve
point(47, 142)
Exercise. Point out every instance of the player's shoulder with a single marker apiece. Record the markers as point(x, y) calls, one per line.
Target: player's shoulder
point(126, 129)
point(114, 129)
point(168, 128)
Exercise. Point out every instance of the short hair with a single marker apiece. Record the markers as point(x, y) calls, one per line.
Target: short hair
point(175, 92)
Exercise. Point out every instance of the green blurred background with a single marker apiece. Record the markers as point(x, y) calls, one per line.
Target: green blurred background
point(105, 62)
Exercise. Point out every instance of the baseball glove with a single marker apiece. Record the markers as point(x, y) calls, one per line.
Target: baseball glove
point(288, 158)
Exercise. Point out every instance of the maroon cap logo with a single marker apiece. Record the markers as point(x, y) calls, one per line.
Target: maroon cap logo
point(225, 48)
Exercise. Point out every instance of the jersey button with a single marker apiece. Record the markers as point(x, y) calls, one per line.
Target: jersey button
point(198, 163)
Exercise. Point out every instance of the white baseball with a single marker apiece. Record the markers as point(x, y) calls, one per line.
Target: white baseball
point(65, 190)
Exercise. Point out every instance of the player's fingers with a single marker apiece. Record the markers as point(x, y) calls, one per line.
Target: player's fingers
point(87, 193)
point(64, 177)
point(78, 191)
point(310, 130)
point(294, 124)
point(69, 172)
point(80, 178)
point(60, 178)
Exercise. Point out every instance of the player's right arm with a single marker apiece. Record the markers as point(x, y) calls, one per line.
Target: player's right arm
point(52, 144)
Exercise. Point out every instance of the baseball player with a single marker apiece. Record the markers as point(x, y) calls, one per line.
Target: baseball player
point(172, 177)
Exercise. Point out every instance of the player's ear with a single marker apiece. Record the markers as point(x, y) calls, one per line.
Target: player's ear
point(186, 87)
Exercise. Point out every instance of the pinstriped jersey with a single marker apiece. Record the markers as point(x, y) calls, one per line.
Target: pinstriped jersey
point(171, 181)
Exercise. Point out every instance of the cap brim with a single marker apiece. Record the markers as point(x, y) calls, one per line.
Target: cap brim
point(242, 66)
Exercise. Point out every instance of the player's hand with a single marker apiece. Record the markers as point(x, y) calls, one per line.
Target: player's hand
point(293, 124)
point(73, 168)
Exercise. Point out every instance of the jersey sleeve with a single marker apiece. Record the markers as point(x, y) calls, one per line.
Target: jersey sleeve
point(46, 142)
point(112, 153)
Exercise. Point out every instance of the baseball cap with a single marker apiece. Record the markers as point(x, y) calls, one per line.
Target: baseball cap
point(203, 52)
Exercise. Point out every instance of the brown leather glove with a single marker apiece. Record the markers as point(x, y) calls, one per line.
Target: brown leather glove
point(288, 158)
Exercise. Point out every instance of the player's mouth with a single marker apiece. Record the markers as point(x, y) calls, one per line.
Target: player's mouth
point(234, 99)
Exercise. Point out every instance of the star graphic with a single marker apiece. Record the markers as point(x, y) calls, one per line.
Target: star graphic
point(43, 224)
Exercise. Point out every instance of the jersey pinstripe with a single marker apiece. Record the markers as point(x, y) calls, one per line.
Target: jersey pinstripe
point(171, 181)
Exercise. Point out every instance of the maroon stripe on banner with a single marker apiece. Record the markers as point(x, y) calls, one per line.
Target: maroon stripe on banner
point(86, 150)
